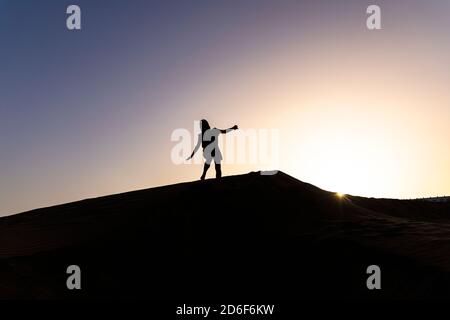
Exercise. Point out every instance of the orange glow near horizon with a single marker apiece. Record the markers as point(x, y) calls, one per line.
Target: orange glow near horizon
point(358, 124)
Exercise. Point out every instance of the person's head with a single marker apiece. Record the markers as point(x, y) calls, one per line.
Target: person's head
point(204, 125)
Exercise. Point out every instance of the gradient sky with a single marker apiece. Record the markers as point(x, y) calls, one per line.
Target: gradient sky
point(91, 112)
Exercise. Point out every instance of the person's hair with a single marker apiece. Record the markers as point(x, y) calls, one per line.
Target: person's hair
point(204, 125)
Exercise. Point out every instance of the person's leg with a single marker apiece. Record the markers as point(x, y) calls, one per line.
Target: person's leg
point(205, 169)
point(218, 170)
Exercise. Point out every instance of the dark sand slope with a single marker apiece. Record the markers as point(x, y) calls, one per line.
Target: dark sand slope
point(242, 236)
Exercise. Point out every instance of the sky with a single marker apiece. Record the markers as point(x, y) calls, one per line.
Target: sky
point(91, 112)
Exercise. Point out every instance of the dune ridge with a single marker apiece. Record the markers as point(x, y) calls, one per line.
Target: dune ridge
point(246, 235)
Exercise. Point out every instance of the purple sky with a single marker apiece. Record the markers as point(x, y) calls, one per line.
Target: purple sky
point(87, 113)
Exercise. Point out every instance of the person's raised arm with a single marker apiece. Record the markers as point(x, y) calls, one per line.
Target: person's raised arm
point(199, 142)
point(235, 127)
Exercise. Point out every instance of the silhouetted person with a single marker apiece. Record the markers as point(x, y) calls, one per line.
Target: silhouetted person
point(209, 140)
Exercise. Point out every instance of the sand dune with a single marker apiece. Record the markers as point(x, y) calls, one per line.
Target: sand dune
point(242, 236)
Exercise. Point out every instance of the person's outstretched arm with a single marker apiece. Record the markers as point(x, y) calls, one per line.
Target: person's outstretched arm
point(199, 142)
point(235, 127)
